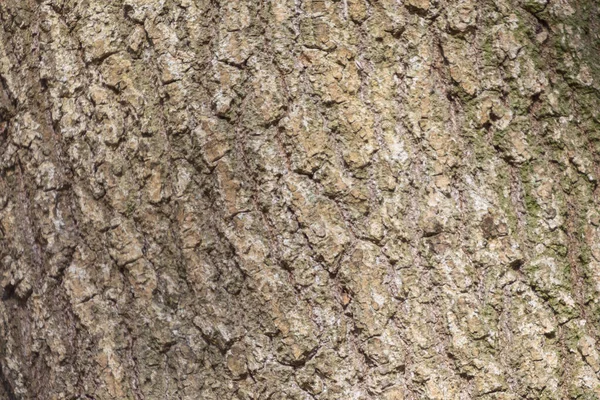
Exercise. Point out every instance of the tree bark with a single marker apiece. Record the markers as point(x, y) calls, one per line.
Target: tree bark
point(287, 199)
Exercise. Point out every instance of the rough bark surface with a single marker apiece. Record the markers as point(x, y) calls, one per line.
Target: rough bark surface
point(299, 199)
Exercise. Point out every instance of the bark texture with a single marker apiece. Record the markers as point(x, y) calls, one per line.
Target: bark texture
point(299, 199)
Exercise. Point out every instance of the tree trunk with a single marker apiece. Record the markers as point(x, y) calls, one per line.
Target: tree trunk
point(287, 199)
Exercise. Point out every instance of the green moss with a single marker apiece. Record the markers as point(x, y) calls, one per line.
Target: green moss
point(506, 203)
point(131, 206)
point(531, 205)
point(487, 51)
